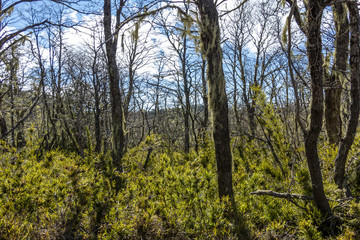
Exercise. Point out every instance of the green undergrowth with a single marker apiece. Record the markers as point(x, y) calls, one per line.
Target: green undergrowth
point(63, 196)
point(59, 195)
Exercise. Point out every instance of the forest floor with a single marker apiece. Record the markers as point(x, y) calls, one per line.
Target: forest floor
point(60, 195)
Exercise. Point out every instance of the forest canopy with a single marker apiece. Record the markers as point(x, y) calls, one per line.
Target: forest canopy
point(192, 119)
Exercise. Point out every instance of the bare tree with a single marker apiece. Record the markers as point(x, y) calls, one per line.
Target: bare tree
point(180, 43)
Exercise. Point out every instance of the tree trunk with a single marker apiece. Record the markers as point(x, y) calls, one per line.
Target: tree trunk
point(210, 37)
point(187, 129)
point(3, 127)
point(252, 117)
point(131, 72)
point(187, 96)
point(346, 143)
point(117, 113)
point(13, 65)
point(205, 121)
point(97, 113)
point(334, 83)
point(235, 95)
point(314, 14)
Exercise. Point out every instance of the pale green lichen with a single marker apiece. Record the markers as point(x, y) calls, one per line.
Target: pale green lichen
point(284, 37)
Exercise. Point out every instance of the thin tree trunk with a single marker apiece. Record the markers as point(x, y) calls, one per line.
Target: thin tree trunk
point(333, 83)
point(12, 121)
point(292, 77)
point(3, 126)
point(249, 107)
point(314, 14)
point(131, 71)
point(117, 113)
point(205, 100)
point(235, 107)
point(97, 113)
point(251, 116)
point(187, 97)
point(346, 143)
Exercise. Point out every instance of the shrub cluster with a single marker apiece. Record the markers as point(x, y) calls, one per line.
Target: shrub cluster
point(60, 195)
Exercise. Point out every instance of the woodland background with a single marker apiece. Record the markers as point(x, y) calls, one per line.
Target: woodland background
point(137, 119)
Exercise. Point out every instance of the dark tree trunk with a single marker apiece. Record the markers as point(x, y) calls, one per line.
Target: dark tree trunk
point(187, 100)
point(210, 37)
point(250, 106)
point(3, 127)
point(314, 14)
point(333, 83)
point(117, 113)
point(106, 120)
point(97, 127)
point(187, 126)
point(235, 95)
point(131, 71)
point(97, 113)
point(251, 116)
point(13, 65)
point(346, 143)
point(205, 100)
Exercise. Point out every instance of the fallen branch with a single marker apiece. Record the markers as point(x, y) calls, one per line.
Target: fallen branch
point(281, 195)
point(297, 196)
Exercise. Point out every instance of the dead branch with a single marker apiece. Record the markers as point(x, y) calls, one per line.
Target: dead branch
point(281, 195)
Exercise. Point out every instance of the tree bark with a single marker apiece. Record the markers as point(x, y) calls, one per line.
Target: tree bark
point(117, 113)
point(314, 47)
point(346, 143)
point(3, 126)
point(187, 96)
point(210, 38)
point(205, 121)
point(334, 83)
point(97, 112)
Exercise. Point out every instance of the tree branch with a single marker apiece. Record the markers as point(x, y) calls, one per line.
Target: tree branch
point(297, 16)
point(22, 120)
point(14, 34)
point(234, 9)
point(282, 195)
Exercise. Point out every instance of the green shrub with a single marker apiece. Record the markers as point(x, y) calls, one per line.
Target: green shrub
point(59, 194)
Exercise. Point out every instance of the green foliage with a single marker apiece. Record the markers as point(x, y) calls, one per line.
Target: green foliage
point(61, 195)
point(65, 196)
point(256, 169)
point(308, 230)
point(354, 167)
